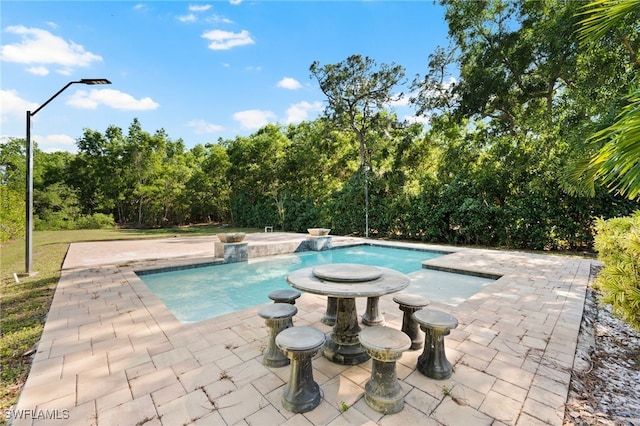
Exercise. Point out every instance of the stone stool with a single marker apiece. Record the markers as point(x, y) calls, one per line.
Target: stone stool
point(436, 324)
point(300, 344)
point(331, 313)
point(277, 317)
point(284, 296)
point(385, 345)
point(371, 315)
point(410, 303)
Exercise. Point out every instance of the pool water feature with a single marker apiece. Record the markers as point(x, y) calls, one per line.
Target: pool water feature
point(200, 293)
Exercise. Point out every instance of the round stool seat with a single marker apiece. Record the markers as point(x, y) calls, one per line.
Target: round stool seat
point(384, 343)
point(383, 392)
point(284, 296)
point(300, 339)
point(277, 311)
point(436, 320)
point(411, 300)
point(300, 344)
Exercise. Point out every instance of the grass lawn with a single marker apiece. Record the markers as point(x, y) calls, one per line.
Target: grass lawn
point(24, 305)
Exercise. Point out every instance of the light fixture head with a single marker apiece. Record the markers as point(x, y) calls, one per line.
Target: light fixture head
point(92, 81)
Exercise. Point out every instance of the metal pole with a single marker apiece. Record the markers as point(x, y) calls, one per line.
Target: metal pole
point(366, 201)
point(29, 209)
point(29, 202)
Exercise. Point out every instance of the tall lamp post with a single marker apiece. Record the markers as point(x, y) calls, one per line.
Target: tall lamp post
point(29, 201)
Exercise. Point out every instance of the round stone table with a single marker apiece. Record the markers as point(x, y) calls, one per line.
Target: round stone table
point(345, 282)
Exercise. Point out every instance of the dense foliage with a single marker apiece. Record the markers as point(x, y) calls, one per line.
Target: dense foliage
point(618, 245)
point(510, 103)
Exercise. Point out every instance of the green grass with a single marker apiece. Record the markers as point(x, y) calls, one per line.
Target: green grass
point(24, 305)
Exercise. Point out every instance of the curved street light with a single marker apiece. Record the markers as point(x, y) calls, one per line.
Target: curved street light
point(29, 201)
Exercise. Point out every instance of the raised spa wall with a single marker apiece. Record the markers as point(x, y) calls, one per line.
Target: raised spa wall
point(241, 252)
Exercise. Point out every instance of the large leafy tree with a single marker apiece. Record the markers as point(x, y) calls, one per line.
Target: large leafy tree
point(358, 91)
point(524, 92)
point(616, 164)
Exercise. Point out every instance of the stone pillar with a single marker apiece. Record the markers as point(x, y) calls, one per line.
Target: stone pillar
point(319, 243)
point(231, 252)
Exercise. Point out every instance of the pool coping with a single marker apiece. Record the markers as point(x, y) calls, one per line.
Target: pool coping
point(111, 350)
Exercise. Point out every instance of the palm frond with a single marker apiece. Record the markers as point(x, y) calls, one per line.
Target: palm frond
point(600, 16)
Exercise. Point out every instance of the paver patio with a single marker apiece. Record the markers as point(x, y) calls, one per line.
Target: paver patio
point(112, 354)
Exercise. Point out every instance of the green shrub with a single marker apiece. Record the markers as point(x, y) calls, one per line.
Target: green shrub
point(96, 221)
point(617, 241)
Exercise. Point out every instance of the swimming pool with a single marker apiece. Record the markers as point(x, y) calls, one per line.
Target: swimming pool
point(205, 292)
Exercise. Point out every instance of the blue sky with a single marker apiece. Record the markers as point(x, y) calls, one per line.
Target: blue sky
point(199, 70)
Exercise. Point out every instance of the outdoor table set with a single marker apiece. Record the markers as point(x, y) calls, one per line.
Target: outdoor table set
point(347, 343)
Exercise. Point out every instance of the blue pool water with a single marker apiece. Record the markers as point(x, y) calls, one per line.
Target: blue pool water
point(199, 293)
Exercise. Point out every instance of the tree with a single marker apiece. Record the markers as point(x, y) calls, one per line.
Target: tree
point(357, 93)
point(616, 163)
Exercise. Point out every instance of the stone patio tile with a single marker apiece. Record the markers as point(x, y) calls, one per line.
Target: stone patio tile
point(213, 419)
point(199, 377)
point(91, 386)
point(219, 388)
point(228, 361)
point(350, 417)
point(83, 361)
point(84, 414)
point(552, 415)
point(429, 385)
point(501, 407)
point(160, 348)
point(451, 413)
point(550, 385)
point(184, 366)
point(510, 373)
point(297, 420)
point(140, 370)
point(174, 356)
point(269, 382)
point(340, 389)
point(167, 394)
point(527, 420)
point(247, 373)
point(323, 413)
point(474, 379)
point(422, 401)
point(212, 353)
point(45, 388)
point(545, 397)
point(477, 350)
point(49, 367)
point(510, 390)
point(360, 375)
point(266, 416)
point(185, 409)
point(152, 381)
point(408, 416)
point(114, 399)
point(241, 403)
point(68, 345)
point(473, 362)
point(136, 411)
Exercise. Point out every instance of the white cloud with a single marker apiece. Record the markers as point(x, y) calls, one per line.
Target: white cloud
point(400, 100)
point(235, 2)
point(38, 70)
point(253, 118)
point(289, 83)
point(202, 127)
point(13, 106)
point(199, 7)
point(187, 18)
point(300, 111)
point(252, 68)
point(54, 143)
point(40, 47)
point(417, 119)
point(224, 40)
point(113, 98)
